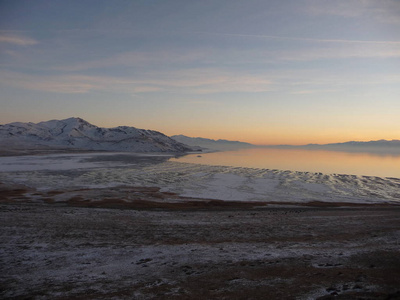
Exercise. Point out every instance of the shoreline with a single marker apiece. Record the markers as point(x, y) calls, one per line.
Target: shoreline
point(126, 197)
point(190, 182)
point(17, 153)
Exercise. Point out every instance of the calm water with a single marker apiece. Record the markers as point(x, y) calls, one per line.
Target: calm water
point(303, 160)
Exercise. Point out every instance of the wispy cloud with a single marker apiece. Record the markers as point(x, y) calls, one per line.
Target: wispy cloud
point(315, 91)
point(17, 40)
point(201, 81)
point(184, 58)
point(185, 81)
point(307, 92)
point(70, 84)
point(139, 58)
point(306, 39)
point(340, 52)
point(325, 81)
point(384, 11)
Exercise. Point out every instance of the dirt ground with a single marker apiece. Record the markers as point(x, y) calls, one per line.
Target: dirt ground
point(64, 250)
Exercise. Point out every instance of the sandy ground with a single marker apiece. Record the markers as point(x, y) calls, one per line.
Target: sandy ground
point(59, 251)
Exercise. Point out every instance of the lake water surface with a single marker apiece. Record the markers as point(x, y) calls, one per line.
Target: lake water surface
point(329, 162)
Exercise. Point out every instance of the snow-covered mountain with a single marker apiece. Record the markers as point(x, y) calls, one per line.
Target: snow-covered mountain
point(75, 133)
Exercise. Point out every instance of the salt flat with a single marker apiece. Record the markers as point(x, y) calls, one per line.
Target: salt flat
point(121, 226)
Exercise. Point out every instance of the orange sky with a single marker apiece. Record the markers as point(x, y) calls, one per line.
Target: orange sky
point(264, 72)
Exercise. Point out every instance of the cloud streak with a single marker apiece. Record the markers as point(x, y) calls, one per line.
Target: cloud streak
point(138, 58)
point(185, 81)
point(181, 59)
point(304, 39)
point(201, 82)
point(340, 52)
point(17, 40)
point(383, 11)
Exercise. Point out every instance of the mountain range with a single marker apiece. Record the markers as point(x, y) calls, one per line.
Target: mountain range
point(198, 142)
point(376, 147)
point(76, 133)
point(378, 143)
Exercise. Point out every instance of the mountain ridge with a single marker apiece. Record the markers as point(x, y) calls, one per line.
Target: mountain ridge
point(381, 142)
point(382, 146)
point(211, 144)
point(372, 143)
point(375, 146)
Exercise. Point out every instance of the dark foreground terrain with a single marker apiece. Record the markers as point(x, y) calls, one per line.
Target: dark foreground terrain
point(60, 251)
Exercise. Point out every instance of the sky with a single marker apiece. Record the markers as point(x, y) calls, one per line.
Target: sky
point(264, 72)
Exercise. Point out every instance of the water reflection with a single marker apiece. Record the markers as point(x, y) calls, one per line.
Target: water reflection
point(303, 160)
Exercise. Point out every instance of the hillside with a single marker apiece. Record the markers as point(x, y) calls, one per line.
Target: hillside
point(76, 133)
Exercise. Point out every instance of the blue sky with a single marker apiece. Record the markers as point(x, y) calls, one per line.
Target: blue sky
point(267, 72)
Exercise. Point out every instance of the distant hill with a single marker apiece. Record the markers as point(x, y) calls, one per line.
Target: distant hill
point(377, 147)
point(76, 133)
point(379, 143)
point(211, 144)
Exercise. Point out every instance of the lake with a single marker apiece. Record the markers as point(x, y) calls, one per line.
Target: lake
point(329, 162)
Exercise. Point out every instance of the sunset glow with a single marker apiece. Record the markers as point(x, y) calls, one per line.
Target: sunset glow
point(327, 162)
point(264, 72)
